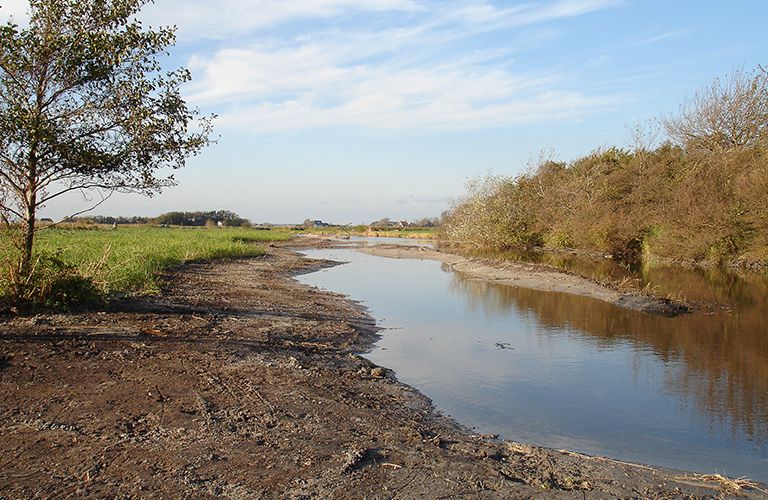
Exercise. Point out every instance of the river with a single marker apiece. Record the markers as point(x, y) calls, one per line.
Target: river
point(571, 372)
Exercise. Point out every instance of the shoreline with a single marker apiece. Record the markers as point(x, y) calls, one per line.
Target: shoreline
point(533, 276)
point(238, 381)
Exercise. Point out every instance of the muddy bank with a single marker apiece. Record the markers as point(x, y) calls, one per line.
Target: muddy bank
point(533, 276)
point(240, 382)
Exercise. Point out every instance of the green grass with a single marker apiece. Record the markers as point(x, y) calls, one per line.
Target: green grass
point(128, 260)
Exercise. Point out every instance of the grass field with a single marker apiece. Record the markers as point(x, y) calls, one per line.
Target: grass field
point(127, 260)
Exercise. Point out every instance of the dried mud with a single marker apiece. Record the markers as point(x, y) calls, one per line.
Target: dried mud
point(240, 382)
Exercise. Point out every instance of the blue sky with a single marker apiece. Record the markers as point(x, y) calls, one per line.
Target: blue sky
point(353, 110)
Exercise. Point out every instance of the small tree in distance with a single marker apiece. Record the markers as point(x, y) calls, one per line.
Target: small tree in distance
point(85, 106)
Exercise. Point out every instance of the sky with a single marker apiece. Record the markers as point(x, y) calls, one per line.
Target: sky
point(349, 111)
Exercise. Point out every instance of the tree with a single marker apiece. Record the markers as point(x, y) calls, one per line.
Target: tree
point(729, 114)
point(85, 106)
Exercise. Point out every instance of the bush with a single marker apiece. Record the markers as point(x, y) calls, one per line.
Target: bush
point(51, 283)
point(702, 198)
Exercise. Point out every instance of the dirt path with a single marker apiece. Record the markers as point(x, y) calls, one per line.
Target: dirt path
point(240, 382)
point(533, 276)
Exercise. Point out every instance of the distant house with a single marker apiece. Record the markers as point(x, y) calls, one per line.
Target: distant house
point(397, 224)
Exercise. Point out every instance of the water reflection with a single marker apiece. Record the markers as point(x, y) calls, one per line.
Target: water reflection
point(573, 372)
point(381, 240)
point(724, 355)
point(705, 285)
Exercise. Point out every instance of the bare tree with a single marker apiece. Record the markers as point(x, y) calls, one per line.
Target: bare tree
point(728, 114)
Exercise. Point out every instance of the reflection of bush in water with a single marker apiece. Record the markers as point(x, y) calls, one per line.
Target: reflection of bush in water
point(724, 356)
point(710, 285)
point(595, 268)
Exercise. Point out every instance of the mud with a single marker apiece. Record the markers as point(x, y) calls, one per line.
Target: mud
point(239, 382)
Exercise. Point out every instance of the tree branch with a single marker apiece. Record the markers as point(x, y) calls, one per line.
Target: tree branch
point(10, 181)
point(9, 209)
point(79, 187)
point(70, 217)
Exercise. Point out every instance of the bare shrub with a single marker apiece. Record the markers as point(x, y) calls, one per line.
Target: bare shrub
point(730, 113)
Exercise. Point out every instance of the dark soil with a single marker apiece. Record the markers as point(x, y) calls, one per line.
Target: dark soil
point(239, 382)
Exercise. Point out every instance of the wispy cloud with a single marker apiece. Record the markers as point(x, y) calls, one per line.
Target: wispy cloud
point(490, 16)
point(231, 18)
point(234, 18)
point(381, 64)
point(426, 74)
point(412, 100)
point(659, 38)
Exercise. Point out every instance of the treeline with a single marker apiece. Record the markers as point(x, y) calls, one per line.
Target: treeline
point(226, 217)
point(108, 219)
point(702, 195)
point(199, 218)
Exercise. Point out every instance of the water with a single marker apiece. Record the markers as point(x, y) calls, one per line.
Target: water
point(392, 241)
point(571, 372)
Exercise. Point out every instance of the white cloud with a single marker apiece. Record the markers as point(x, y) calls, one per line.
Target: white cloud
point(491, 17)
point(224, 19)
point(228, 18)
point(392, 112)
point(418, 77)
point(308, 87)
point(416, 68)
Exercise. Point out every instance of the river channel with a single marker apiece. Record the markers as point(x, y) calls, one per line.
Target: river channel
point(570, 372)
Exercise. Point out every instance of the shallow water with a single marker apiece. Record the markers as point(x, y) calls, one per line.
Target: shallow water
point(365, 240)
point(571, 372)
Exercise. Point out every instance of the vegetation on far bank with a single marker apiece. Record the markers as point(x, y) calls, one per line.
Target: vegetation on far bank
point(72, 266)
point(371, 231)
point(700, 196)
point(197, 218)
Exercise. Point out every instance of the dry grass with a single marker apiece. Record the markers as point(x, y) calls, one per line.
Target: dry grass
point(728, 485)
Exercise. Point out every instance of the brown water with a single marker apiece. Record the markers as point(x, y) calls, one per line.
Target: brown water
point(570, 372)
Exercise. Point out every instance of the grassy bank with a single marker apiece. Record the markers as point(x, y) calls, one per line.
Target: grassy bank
point(126, 261)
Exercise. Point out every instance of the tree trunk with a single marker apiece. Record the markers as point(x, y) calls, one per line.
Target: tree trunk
point(29, 235)
point(30, 202)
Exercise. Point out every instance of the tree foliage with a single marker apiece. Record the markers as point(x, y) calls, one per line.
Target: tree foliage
point(86, 105)
point(201, 218)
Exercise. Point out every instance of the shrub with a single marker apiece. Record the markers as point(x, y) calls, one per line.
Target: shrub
point(50, 283)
